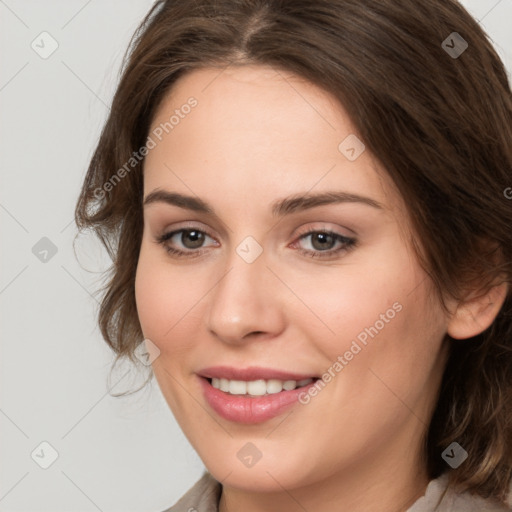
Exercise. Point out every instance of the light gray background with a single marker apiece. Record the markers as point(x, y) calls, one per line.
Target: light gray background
point(114, 454)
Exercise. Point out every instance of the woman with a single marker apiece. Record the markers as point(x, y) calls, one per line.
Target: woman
point(308, 209)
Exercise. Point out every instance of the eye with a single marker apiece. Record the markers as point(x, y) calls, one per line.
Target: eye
point(324, 243)
point(191, 238)
point(184, 242)
point(190, 242)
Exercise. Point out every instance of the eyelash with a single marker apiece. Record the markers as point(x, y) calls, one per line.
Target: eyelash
point(347, 244)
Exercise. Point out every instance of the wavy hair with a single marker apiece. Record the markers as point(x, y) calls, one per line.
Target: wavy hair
point(439, 122)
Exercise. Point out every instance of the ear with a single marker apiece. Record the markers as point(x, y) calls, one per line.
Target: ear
point(476, 313)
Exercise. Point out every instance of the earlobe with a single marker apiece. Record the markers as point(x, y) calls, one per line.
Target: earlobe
point(474, 315)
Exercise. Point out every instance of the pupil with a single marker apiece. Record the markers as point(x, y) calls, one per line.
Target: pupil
point(192, 239)
point(325, 241)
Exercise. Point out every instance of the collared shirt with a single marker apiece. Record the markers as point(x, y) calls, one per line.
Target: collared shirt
point(204, 496)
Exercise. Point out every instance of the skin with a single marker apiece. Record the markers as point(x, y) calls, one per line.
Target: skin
point(258, 135)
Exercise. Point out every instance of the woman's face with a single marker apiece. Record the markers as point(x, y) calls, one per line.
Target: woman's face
point(293, 263)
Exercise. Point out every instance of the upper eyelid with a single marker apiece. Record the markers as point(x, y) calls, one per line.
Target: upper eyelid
point(309, 230)
point(197, 225)
point(187, 227)
point(172, 232)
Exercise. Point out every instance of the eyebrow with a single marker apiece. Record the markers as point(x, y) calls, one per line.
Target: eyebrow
point(280, 208)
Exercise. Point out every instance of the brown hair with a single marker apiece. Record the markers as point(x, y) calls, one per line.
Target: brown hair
point(440, 124)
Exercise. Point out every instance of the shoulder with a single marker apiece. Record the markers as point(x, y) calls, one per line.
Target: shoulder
point(203, 496)
point(438, 498)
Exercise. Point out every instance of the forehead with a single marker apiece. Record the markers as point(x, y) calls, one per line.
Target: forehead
point(255, 131)
point(258, 100)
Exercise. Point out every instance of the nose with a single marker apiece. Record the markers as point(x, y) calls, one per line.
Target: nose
point(245, 303)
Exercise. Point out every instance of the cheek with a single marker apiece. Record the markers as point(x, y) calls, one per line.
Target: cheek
point(375, 317)
point(168, 306)
point(346, 305)
point(389, 339)
point(167, 299)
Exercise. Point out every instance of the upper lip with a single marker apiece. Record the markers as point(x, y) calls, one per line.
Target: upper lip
point(251, 373)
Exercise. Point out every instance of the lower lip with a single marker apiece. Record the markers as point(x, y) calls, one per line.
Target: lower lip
point(248, 409)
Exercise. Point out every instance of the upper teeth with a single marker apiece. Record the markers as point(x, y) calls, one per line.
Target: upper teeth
point(257, 387)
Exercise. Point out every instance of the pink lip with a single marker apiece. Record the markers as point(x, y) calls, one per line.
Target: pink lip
point(251, 373)
point(244, 408)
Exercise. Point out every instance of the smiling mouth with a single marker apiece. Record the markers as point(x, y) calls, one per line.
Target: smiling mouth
point(256, 388)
